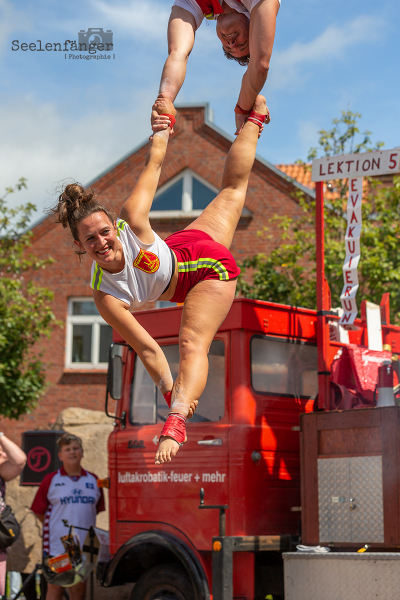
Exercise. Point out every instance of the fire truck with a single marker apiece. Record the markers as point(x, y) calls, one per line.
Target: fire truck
point(242, 450)
point(287, 446)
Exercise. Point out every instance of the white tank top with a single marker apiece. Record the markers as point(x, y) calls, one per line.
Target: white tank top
point(243, 6)
point(146, 274)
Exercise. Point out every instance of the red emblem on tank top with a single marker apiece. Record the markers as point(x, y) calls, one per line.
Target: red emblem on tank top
point(147, 261)
point(210, 7)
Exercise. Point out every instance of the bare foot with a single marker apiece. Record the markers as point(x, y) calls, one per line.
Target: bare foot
point(167, 449)
point(260, 106)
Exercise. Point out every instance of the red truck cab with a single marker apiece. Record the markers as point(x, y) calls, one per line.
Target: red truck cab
point(242, 449)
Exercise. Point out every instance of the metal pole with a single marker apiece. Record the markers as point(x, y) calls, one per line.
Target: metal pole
point(91, 537)
point(323, 302)
point(222, 522)
point(222, 570)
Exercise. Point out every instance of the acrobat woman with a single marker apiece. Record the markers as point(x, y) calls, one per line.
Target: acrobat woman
point(193, 266)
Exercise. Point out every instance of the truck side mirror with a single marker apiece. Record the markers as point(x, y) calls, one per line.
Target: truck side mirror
point(114, 374)
point(114, 380)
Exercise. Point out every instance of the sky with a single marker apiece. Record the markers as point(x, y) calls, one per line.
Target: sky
point(65, 119)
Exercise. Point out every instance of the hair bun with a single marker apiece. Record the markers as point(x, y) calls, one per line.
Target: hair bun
point(70, 200)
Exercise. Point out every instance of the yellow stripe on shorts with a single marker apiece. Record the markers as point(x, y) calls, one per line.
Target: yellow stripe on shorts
point(204, 263)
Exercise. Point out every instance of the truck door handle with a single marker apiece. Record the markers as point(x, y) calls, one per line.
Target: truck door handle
point(352, 506)
point(217, 442)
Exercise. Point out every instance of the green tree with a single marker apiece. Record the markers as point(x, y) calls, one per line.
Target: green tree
point(25, 314)
point(288, 274)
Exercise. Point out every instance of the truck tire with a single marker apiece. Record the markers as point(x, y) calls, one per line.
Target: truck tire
point(166, 582)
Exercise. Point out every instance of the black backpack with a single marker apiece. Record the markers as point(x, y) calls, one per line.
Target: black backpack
point(9, 528)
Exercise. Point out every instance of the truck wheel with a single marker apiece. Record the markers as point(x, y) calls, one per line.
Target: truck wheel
point(166, 582)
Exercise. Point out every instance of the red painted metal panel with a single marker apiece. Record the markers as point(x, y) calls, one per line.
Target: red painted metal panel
point(253, 315)
point(261, 489)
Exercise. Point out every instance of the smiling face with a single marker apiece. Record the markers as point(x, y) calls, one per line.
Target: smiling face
point(98, 238)
point(233, 31)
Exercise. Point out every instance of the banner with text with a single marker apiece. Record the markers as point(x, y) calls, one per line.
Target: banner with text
point(352, 243)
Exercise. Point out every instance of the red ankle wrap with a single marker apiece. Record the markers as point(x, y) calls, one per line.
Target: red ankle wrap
point(258, 118)
point(174, 427)
point(167, 397)
point(172, 119)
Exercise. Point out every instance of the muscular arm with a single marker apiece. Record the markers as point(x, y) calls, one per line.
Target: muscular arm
point(181, 32)
point(261, 41)
point(135, 210)
point(117, 314)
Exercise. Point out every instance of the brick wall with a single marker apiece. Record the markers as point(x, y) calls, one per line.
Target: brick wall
point(195, 145)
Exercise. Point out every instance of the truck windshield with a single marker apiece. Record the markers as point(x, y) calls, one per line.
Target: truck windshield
point(283, 367)
point(147, 404)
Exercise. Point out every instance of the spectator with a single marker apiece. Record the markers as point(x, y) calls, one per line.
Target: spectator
point(12, 462)
point(70, 493)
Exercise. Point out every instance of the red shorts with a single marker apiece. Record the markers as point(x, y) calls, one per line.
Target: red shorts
point(199, 258)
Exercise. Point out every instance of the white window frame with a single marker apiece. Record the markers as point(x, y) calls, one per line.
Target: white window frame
point(187, 196)
point(95, 321)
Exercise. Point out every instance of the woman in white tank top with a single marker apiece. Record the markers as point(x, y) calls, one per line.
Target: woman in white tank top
point(246, 30)
point(132, 265)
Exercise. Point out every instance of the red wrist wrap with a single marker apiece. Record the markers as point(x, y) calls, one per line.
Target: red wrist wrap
point(240, 111)
point(174, 427)
point(172, 119)
point(167, 397)
point(258, 118)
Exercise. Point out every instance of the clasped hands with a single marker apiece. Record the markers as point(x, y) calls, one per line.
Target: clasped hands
point(160, 122)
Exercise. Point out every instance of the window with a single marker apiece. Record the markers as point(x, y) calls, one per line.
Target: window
point(88, 336)
point(186, 193)
point(148, 405)
point(164, 304)
point(171, 198)
point(283, 367)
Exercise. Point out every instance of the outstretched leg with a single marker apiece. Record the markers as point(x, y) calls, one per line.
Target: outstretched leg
point(208, 303)
point(205, 308)
point(220, 218)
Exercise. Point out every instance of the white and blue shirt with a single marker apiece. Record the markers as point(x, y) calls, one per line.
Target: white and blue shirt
point(74, 498)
